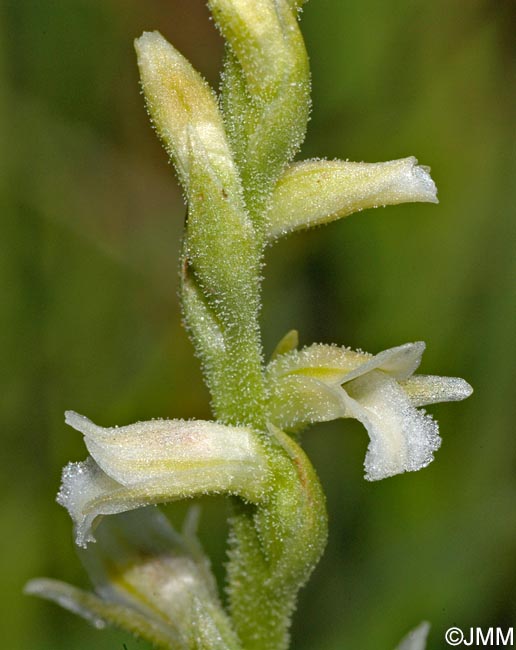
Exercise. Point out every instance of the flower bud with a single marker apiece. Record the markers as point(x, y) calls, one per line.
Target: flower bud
point(183, 109)
point(266, 89)
point(264, 36)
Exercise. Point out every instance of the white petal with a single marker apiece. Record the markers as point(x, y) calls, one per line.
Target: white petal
point(297, 401)
point(428, 389)
point(399, 362)
point(401, 438)
point(337, 365)
point(416, 639)
point(87, 493)
point(327, 363)
point(75, 600)
point(143, 549)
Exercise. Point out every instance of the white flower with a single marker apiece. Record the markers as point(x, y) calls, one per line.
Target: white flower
point(313, 192)
point(157, 461)
point(322, 382)
point(149, 580)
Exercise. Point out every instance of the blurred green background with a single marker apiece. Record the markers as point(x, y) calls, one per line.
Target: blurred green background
point(91, 219)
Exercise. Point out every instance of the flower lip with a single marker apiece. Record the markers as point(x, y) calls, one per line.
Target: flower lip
point(402, 439)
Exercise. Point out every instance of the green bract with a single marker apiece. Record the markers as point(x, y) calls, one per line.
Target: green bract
point(233, 156)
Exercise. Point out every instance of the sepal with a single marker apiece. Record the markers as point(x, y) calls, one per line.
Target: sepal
point(314, 192)
point(428, 389)
point(297, 401)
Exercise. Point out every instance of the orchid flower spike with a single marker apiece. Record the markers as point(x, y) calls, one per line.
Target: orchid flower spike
point(233, 154)
point(322, 382)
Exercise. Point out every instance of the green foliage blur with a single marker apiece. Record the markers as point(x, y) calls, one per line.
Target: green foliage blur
point(91, 219)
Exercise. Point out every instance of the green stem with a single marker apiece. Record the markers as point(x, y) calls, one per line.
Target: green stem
point(231, 355)
point(274, 548)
